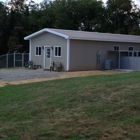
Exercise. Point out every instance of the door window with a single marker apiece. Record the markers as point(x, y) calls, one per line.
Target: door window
point(48, 53)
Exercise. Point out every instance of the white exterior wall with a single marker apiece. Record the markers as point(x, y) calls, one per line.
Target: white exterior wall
point(49, 40)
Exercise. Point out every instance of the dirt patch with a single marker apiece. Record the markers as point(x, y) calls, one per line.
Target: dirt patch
point(88, 73)
point(62, 75)
point(114, 133)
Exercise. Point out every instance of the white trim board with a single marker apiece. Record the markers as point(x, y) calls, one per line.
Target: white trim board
point(30, 50)
point(68, 54)
point(44, 61)
point(44, 31)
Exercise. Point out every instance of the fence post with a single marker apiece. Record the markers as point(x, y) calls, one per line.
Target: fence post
point(14, 58)
point(7, 60)
point(23, 59)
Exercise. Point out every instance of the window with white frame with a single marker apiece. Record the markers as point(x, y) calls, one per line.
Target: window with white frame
point(116, 48)
point(57, 51)
point(37, 51)
point(131, 48)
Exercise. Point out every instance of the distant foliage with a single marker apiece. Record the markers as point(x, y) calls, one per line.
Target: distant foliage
point(20, 18)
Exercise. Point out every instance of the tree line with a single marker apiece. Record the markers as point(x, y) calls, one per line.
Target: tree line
point(19, 18)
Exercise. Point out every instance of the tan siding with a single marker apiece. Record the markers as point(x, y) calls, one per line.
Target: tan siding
point(48, 39)
point(83, 54)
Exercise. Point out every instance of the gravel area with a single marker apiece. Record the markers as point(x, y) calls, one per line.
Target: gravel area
point(21, 74)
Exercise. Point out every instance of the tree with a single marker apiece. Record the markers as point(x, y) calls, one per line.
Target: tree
point(133, 22)
point(14, 42)
point(3, 28)
point(77, 14)
point(119, 16)
point(21, 18)
point(18, 23)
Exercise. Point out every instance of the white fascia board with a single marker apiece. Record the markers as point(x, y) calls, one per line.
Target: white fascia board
point(43, 31)
point(107, 40)
point(34, 34)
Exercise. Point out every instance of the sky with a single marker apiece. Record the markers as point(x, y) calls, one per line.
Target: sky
point(38, 1)
point(136, 1)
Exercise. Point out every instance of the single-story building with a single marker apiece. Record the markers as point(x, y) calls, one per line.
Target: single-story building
point(80, 50)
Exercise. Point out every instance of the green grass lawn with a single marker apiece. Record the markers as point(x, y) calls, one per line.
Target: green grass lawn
point(105, 107)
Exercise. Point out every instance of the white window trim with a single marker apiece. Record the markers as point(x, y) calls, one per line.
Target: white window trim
point(35, 50)
point(116, 46)
point(54, 51)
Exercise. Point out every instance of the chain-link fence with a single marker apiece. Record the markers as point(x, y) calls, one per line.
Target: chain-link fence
point(13, 60)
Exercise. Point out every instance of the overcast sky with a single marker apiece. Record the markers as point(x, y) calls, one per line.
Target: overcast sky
point(38, 1)
point(136, 1)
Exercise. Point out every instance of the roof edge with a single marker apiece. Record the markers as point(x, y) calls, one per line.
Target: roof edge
point(56, 33)
point(43, 31)
point(34, 34)
point(107, 40)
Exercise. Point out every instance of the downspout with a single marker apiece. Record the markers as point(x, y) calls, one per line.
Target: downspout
point(137, 61)
point(68, 55)
point(44, 57)
point(30, 51)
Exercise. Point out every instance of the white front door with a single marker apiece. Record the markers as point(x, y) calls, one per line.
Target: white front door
point(47, 57)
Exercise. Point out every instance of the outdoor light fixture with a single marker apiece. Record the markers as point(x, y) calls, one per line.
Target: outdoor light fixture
point(42, 47)
point(52, 47)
